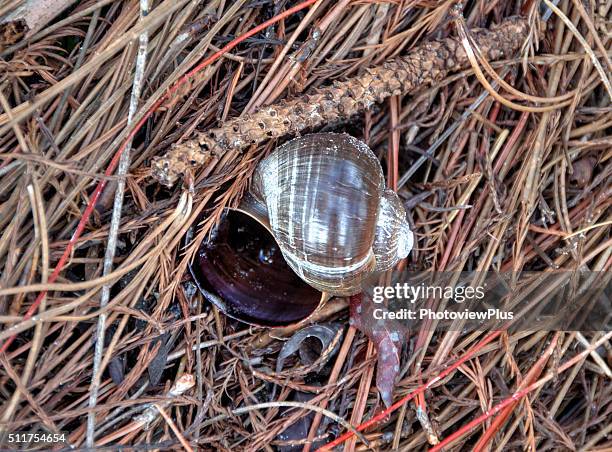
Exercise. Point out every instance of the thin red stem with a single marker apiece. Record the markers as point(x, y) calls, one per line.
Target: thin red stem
point(115, 160)
point(533, 374)
point(492, 412)
point(383, 414)
point(519, 395)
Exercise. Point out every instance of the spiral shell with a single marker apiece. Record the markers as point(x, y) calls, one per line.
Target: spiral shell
point(325, 200)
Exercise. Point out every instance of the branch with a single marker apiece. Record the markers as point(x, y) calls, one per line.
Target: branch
point(425, 65)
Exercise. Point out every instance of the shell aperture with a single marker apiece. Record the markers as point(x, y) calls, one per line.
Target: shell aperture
point(242, 272)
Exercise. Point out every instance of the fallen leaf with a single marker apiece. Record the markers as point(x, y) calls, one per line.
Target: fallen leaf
point(388, 338)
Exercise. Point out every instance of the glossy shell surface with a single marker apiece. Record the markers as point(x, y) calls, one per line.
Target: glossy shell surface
point(242, 271)
point(329, 211)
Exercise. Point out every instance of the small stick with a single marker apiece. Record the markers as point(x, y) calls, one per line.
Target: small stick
point(109, 256)
point(174, 428)
point(427, 64)
point(145, 419)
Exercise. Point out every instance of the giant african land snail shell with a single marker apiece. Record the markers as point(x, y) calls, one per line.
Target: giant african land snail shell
point(322, 197)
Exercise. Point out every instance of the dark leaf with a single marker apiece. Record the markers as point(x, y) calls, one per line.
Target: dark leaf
point(116, 369)
point(157, 364)
point(299, 429)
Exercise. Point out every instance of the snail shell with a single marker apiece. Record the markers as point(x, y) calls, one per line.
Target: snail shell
point(318, 216)
point(323, 196)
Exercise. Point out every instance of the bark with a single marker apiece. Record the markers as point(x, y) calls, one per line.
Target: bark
point(28, 18)
point(425, 65)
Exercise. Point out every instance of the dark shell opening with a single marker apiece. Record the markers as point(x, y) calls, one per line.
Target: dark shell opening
point(244, 270)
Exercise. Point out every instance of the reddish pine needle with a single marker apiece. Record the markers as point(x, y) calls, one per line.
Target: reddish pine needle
point(492, 412)
point(115, 160)
point(383, 414)
point(518, 395)
point(533, 374)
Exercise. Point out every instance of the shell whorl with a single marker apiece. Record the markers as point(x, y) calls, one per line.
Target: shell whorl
point(393, 235)
point(329, 211)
